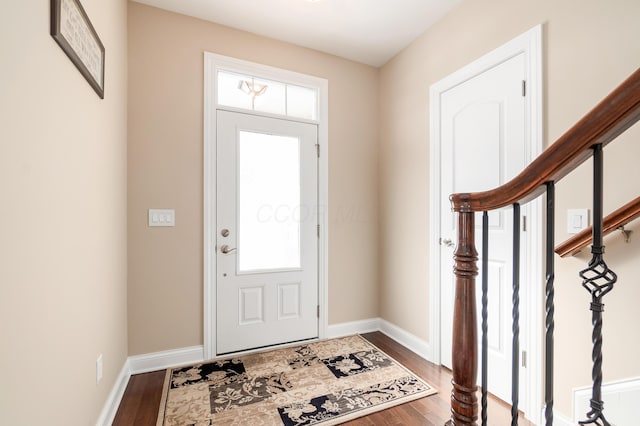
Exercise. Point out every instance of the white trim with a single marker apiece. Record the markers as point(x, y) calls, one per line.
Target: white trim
point(323, 216)
point(266, 349)
point(209, 205)
point(264, 114)
point(533, 260)
point(353, 327)
point(529, 43)
point(111, 405)
point(434, 226)
point(406, 339)
point(610, 392)
point(165, 359)
point(211, 63)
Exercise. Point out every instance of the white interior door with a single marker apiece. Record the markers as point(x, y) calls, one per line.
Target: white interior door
point(266, 234)
point(483, 145)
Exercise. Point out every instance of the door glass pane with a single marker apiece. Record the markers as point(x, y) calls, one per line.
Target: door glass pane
point(302, 102)
point(268, 202)
point(229, 92)
point(272, 100)
point(274, 97)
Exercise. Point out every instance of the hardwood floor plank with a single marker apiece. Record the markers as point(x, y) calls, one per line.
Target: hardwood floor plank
point(141, 400)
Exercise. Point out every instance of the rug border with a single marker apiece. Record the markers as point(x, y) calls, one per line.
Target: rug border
point(372, 410)
point(331, 422)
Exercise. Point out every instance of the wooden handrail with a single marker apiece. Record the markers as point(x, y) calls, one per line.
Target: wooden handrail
point(615, 220)
point(611, 117)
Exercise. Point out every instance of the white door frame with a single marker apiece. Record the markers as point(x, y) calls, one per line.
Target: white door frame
point(529, 44)
point(212, 63)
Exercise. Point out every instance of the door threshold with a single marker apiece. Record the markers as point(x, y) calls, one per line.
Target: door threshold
point(267, 348)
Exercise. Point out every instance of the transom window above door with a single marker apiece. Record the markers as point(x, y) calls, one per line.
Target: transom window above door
point(252, 93)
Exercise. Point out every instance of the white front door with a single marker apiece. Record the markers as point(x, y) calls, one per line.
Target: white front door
point(483, 145)
point(266, 231)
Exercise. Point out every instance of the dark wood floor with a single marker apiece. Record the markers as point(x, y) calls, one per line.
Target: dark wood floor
point(141, 399)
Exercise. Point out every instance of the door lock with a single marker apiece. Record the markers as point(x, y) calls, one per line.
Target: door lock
point(224, 232)
point(446, 242)
point(224, 249)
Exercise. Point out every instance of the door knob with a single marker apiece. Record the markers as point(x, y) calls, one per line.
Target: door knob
point(224, 249)
point(446, 242)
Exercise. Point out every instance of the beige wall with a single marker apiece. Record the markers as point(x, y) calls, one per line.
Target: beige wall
point(590, 47)
point(62, 219)
point(165, 171)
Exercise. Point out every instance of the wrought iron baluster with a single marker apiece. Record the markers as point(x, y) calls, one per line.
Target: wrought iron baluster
point(549, 307)
point(485, 313)
point(598, 280)
point(515, 350)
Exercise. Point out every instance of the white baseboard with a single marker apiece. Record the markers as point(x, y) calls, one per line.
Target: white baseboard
point(620, 400)
point(353, 327)
point(110, 407)
point(406, 339)
point(165, 359)
point(142, 364)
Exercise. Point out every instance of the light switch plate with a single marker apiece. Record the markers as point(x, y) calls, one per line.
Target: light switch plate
point(577, 220)
point(162, 217)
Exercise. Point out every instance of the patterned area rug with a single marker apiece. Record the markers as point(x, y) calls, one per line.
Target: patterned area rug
point(322, 383)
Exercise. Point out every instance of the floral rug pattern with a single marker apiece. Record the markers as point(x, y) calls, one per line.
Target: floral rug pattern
point(322, 383)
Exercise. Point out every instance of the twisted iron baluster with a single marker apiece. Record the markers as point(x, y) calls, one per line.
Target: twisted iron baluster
point(549, 307)
point(598, 280)
point(515, 350)
point(485, 314)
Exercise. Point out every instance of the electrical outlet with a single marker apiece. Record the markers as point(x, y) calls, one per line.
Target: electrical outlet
point(99, 369)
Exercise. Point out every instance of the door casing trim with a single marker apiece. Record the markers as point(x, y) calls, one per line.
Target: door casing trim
point(529, 43)
point(213, 62)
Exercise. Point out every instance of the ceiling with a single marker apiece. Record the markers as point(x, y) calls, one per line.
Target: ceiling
point(367, 31)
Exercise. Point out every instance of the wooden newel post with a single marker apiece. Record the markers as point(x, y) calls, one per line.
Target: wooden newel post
point(464, 402)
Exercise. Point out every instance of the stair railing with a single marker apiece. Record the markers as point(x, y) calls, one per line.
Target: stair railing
point(586, 139)
point(614, 221)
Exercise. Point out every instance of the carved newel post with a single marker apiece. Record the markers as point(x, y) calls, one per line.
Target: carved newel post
point(464, 402)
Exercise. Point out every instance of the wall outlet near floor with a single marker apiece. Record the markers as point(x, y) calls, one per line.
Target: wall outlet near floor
point(99, 369)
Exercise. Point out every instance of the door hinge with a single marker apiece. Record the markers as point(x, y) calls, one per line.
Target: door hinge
point(318, 149)
point(524, 359)
point(524, 224)
point(524, 88)
point(318, 229)
point(318, 311)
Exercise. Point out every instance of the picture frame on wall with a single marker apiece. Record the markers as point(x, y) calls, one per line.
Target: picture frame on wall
point(74, 33)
